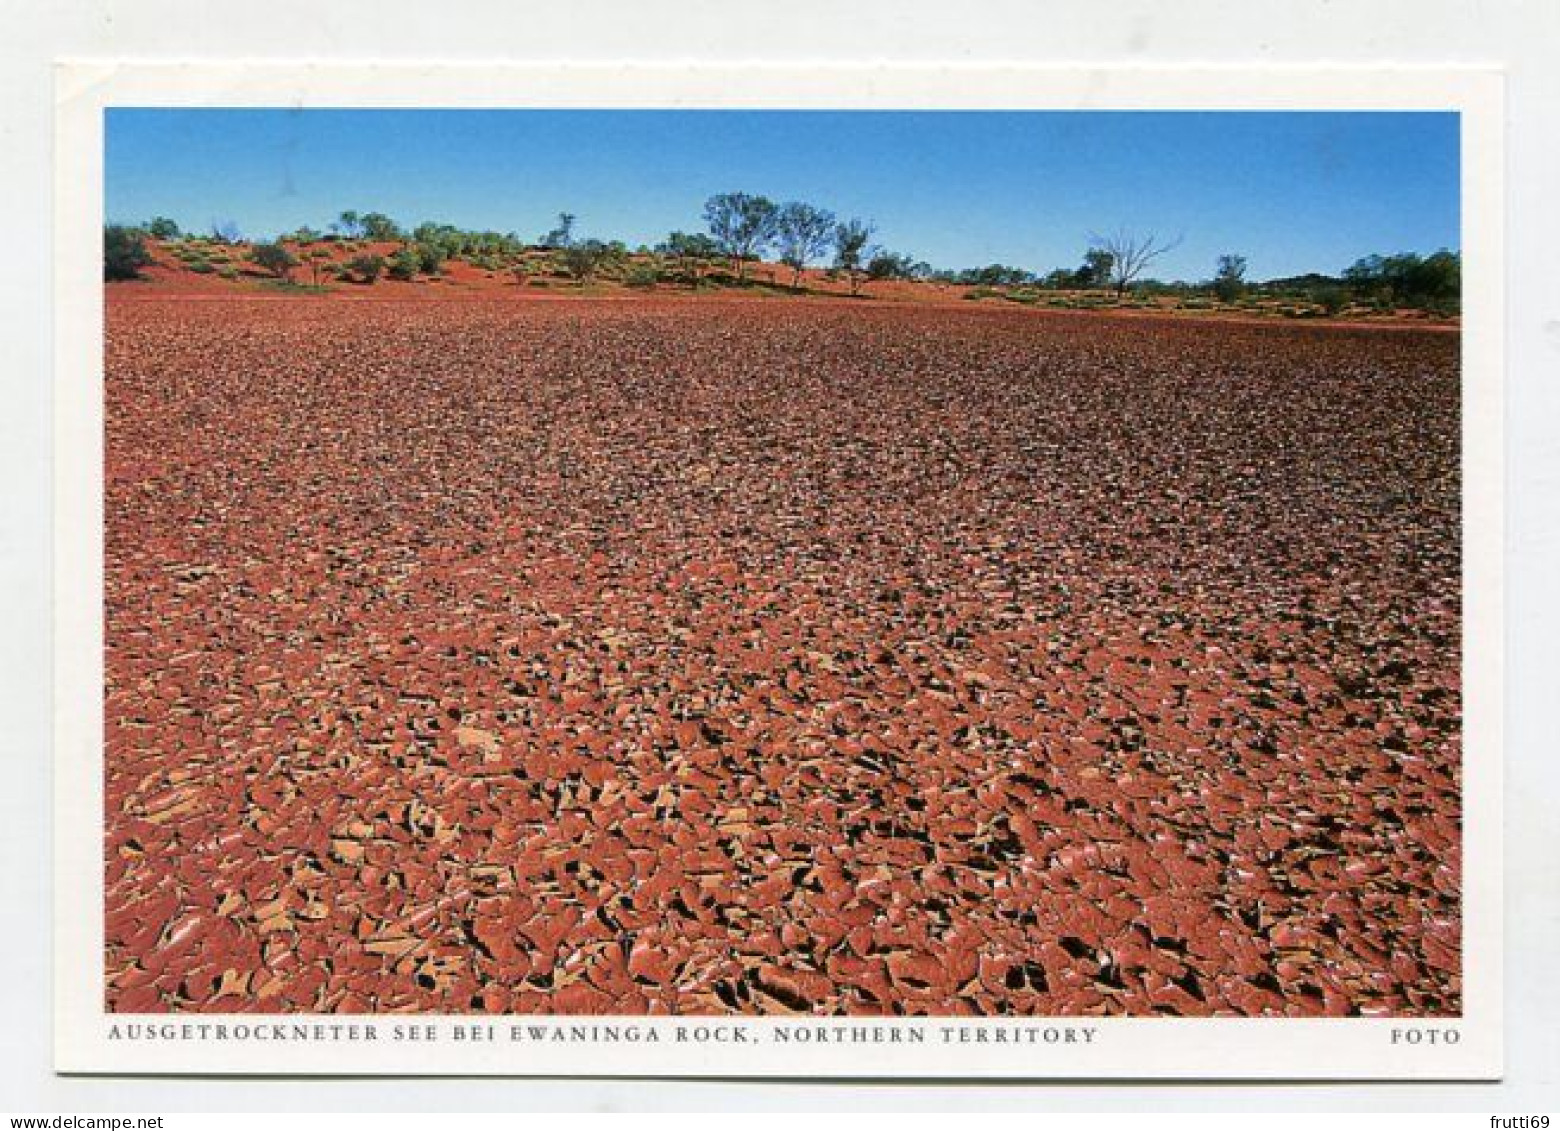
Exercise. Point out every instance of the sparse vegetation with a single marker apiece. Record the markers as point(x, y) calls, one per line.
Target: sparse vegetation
point(744, 227)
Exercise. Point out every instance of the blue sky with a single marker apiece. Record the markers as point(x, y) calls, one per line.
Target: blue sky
point(1293, 192)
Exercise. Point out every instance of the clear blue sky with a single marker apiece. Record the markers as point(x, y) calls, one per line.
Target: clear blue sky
point(1293, 192)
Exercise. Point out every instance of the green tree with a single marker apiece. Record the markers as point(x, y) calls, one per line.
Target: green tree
point(1096, 269)
point(430, 256)
point(379, 227)
point(743, 225)
point(124, 252)
point(886, 264)
point(851, 253)
point(365, 269)
point(562, 235)
point(318, 261)
point(691, 251)
point(1229, 280)
point(585, 259)
point(162, 228)
point(405, 264)
point(802, 233)
point(273, 258)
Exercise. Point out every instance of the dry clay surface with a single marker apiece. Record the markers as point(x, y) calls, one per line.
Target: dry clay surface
point(710, 657)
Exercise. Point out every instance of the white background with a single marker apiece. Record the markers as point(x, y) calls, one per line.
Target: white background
point(1523, 37)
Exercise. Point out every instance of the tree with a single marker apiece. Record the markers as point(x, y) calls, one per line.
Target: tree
point(561, 236)
point(1229, 280)
point(742, 225)
point(349, 224)
point(124, 252)
point(274, 258)
point(430, 256)
point(225, 232)
point(886, 264)
point(162, 228)
point(1130, 254)
point(379, 227)
point(365, 269)
point(1432, 282)
point(851, 253)
point(691, 251)
point(1096, 269)
point(802, 233)
point(995, 275)
point(584, 259)
point(318, 262)
point(405, 264)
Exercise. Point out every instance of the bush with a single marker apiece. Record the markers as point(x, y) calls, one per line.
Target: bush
point(273, 258)
point(642, 275)
point(404, 265)
point(430, 258)
point(1332, 300)
point(365, 269)
point(587, 259)
point(124, 252)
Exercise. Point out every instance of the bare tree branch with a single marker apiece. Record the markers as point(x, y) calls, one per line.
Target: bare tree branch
point(1131, 253)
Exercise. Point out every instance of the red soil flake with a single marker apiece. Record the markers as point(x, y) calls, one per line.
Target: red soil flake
point(676, 656)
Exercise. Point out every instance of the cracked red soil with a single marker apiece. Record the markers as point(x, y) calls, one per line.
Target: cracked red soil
point(709, 656)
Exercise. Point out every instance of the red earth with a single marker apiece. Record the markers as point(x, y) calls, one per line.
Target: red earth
point(674, 655)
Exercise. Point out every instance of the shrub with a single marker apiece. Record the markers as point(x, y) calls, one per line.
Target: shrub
point(273, 258)
point(642, 275)
point(586, 259)
point(430, 258)
point(365, 269)
point(124, 252)
point(1332, 300)
point(404, 265)
point(201, 267)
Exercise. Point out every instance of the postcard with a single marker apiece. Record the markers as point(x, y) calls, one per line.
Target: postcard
point(854, 572)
